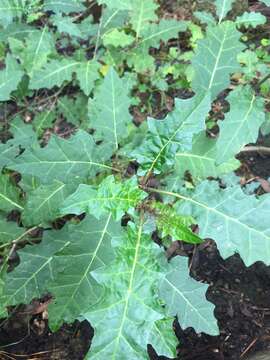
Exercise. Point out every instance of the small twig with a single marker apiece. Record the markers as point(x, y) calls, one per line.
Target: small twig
point(259, 149)
point(249, 347)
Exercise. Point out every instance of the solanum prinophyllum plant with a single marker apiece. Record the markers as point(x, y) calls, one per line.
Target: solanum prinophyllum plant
point(60, 62)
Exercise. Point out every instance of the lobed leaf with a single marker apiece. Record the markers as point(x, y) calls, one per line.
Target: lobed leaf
point(9, 195)
point(235, 220)
point(216, 58)
point(186, 298)
point(77, 157)
point(241, 125)
point(200, 162)
point(109, 110)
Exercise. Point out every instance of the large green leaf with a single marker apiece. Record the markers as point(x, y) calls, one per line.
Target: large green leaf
point(200, 162)
point(74, 110)
point(129, 304)
point(235, 220)
point(111, 196)
point(87, 74)
point(166, 137)
point(10, 9)
point(142, 13)
point(44, 120)
point(109, 110)
point(241, 125)
point(9, 195)
point(73, 286)
point(216, 58)
point(63, 160)
point(23, 136)
point(28, 279)
point(39, 46)
point(64, 6)
point(9, 78)
point(186, 298)
point(43, 204)
point(53, 74)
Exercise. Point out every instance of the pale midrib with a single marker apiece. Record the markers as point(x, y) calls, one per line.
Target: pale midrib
point(68, 162)
point(11, 201)
point(59, 70)
point(129, 291)
point(222, 11)
point(189, 155)
point(217, 60)
point(114, 113)
point(138, 29)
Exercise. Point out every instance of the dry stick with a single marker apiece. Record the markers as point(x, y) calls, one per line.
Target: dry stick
point(259, 149)
point(249, 347)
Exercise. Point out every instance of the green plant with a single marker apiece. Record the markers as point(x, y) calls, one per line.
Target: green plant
point(63, 67)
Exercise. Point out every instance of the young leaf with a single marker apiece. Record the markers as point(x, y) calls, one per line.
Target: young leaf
point(200, 162)
point(236, 221)
point(43, 204)
point(241, 125)
point(9, 78)
point(169, 223)
point(252, 19)
point(73, 285)
point(186, 298)
point(109, 110)
point(111, 196)
point(166, 137)
point(129, 304)
point(65, 24)
point(9, 195)
point(53, 74)
point(64, 6)
point(216, 58)
point(87, 73)
point(63, 160)
point(223, 7)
